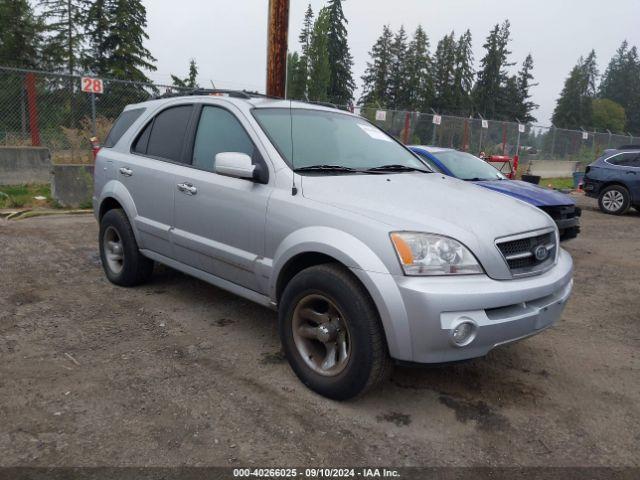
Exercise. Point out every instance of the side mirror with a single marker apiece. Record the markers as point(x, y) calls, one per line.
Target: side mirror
point(235, 164)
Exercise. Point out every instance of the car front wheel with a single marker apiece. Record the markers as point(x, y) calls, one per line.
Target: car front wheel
point(331, 333)
point(614, 200)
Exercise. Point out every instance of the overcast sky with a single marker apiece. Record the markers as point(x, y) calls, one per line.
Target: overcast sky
point(228, 38)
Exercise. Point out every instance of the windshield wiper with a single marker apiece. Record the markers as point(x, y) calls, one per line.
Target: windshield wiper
point(396, 168)
point(325, 168)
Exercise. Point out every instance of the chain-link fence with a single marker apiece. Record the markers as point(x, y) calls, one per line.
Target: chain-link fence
point(495, 137)
point(50, 110)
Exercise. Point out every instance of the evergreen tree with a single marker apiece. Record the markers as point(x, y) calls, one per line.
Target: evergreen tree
point(443, 73)
point(298, 71)
point(398, 91)
point(419, 82)
point(192, 79)
point(492, 77)
point(319, 66)
point(341, 84)
point(463, 74)
point(621, 83)
point(296, 77)
point(375, 87)
point(127, 55)
point(64, 47)
point(97, 25)
point(20, 39)
point(307, 29)
point(574, 107)
point(525, 106)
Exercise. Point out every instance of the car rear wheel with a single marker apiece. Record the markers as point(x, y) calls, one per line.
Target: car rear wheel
point(122, 261)
point(614, 200)
point(331, 333)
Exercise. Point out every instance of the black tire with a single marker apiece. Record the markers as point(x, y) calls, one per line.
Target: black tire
point(608, 206)
point(135, 268)
point(368, 362)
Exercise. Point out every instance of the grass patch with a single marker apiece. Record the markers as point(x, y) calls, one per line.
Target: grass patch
point(19, 196)
point(557, 183)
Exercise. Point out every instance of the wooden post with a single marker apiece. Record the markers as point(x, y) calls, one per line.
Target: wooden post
point(277, 47)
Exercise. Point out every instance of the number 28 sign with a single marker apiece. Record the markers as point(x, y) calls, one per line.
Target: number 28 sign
point(92, 85)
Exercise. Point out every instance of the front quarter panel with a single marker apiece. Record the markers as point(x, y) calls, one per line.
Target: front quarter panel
point(365, 265)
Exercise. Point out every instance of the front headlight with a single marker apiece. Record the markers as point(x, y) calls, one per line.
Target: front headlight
point(429, 254)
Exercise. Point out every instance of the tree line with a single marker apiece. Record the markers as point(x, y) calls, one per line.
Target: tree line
point(608, 103)
point(107, 38)
point(103, 37)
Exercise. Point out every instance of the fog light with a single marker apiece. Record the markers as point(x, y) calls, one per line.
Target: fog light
point(463, 334)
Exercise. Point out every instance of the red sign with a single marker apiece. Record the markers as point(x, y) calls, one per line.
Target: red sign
point(92, 85)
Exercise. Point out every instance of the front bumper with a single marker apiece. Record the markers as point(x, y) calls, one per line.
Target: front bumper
point(502, 311)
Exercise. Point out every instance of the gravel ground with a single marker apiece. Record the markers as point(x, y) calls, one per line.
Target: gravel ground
point(180, 373)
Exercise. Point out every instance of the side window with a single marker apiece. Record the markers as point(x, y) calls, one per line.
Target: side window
point(631, 159)
point(165, 136)
point(219, 131)
point(123, 123)
point(141, 144)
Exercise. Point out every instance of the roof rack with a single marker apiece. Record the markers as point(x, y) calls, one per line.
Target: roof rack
point(214, 92)
point(243, 94)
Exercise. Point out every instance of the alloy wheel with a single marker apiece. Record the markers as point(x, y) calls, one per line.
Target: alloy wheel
point(321, 335)
point(113, 250)
point(613, 200)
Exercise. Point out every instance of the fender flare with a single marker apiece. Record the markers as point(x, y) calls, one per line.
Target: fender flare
point(115, 190)
point(365, 265)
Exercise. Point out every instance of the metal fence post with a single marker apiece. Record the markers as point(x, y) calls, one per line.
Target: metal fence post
point(553, 141)
point(93, 114)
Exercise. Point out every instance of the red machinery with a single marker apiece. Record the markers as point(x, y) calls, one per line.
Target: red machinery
point(504, 164)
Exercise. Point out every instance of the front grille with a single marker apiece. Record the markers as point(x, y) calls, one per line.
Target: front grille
point(520, 254)
point(564, 212)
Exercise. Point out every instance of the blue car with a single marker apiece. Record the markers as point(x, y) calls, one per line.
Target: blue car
point(465, 166)
point(614, 179)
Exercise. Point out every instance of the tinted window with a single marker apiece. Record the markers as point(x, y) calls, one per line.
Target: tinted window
point(168, 133)
point(631, 159)
point(143, 140)
point(219, 131)
point(123, 123)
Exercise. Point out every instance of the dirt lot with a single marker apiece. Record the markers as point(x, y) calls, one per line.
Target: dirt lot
point(180, 373)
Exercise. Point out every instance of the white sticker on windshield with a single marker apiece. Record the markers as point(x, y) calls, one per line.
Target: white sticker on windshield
point(373, 132)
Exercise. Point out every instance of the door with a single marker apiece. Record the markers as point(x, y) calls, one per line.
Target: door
point(219, 221)
point(147, 174)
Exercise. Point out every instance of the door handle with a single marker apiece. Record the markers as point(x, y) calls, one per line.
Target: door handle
point(187, 188)
point(127, 172)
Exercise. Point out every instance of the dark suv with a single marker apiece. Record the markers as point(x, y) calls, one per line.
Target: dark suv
point(614, 179)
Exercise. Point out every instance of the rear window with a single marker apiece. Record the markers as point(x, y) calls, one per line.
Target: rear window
point(123, 123)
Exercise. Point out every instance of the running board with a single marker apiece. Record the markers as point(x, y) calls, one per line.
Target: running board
point(212, 279)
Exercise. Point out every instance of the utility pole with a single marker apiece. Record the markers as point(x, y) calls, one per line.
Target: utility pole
point(277, 47)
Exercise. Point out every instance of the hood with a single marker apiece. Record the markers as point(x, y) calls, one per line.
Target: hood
point(528, 192)
point(432, 203)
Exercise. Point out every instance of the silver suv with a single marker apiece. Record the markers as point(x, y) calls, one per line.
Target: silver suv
point(365, 253)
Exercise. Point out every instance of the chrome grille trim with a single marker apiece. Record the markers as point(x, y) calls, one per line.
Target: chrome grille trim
point(518, 251)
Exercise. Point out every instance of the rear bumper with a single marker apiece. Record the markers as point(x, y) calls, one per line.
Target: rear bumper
point(591, 187)
point(500, 311)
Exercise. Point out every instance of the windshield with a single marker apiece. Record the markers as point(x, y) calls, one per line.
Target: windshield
point(467, 167)
point(321, 137)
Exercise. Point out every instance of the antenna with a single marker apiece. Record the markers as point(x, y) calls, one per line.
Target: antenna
point(294, 189)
